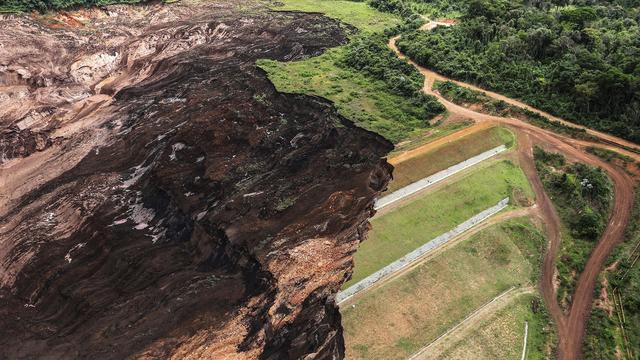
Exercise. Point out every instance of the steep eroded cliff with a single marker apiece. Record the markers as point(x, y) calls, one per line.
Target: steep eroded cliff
point(161, 199)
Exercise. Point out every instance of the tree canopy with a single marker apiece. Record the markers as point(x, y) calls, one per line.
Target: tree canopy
point(576, 59)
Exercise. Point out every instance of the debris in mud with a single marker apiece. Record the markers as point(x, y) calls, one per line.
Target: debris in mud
point(146, 167)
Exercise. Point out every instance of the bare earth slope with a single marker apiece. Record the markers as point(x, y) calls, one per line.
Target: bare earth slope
point(160, 199)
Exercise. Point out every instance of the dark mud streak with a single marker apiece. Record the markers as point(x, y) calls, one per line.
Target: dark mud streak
point(258, 174)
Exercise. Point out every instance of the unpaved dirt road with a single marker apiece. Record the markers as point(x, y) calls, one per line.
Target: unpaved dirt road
point(571, 326)
point(431, 77)
point(430, 146)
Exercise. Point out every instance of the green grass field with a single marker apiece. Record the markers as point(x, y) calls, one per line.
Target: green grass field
point(358, 14)
point(359, 98)
point(404, 229)
point(362, 99)
point(502, 336)
point(400, 317)
point(449, 154)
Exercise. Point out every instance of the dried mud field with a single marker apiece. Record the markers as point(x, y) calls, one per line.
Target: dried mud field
point(160, 199)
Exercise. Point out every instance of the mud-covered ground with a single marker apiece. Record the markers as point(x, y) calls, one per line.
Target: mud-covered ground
point(158, 197)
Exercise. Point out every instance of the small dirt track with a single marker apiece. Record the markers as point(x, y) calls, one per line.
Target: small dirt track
point(463, 328)
point(571, 326)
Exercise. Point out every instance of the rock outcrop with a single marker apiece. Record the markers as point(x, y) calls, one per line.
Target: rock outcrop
point(160, 199)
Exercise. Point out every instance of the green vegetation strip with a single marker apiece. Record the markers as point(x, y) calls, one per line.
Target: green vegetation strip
point(367, 82)
point(461, 95)
point(406, 228)
point(400, 317)
point(614, 157)
point(44, 5)
point(582, 195)
point(447, 155)
point(576, 60)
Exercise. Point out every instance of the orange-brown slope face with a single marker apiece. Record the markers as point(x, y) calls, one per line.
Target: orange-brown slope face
point(180, 206)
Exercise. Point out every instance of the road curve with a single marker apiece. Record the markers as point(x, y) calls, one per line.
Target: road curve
point(571, 326)
point(433, 76)
point(551, 220)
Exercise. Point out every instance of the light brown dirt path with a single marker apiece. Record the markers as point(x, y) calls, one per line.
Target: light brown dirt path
point(400, 157)
point(571, 327)
point(551, 221)
point(612, 236)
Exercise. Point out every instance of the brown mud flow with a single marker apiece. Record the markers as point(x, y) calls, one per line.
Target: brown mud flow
point(161, 199)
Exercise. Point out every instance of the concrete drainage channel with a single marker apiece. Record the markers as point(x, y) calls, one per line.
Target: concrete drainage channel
point(418, 253)
point(437, 177)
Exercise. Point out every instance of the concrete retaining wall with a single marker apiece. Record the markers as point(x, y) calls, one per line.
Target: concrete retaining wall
point(420, 252)
point(437, 177)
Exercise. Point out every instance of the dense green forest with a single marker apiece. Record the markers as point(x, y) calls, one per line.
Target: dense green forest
point(577, 59)
point(412, 8)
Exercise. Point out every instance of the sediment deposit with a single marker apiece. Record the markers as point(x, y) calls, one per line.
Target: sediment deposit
point(160, 199)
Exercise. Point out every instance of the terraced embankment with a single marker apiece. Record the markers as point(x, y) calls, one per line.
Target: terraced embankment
point(399, 317)
point(415, 255)
point(436, 178)
point(400, 229)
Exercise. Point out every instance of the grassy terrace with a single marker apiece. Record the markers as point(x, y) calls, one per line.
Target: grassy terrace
point(449, 154)
point(402, 316)
point(368, 102)
point(436, 132)
point(402, 230)
point(502, 336)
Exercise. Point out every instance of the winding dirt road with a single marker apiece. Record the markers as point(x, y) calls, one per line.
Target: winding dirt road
point(571, 326)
